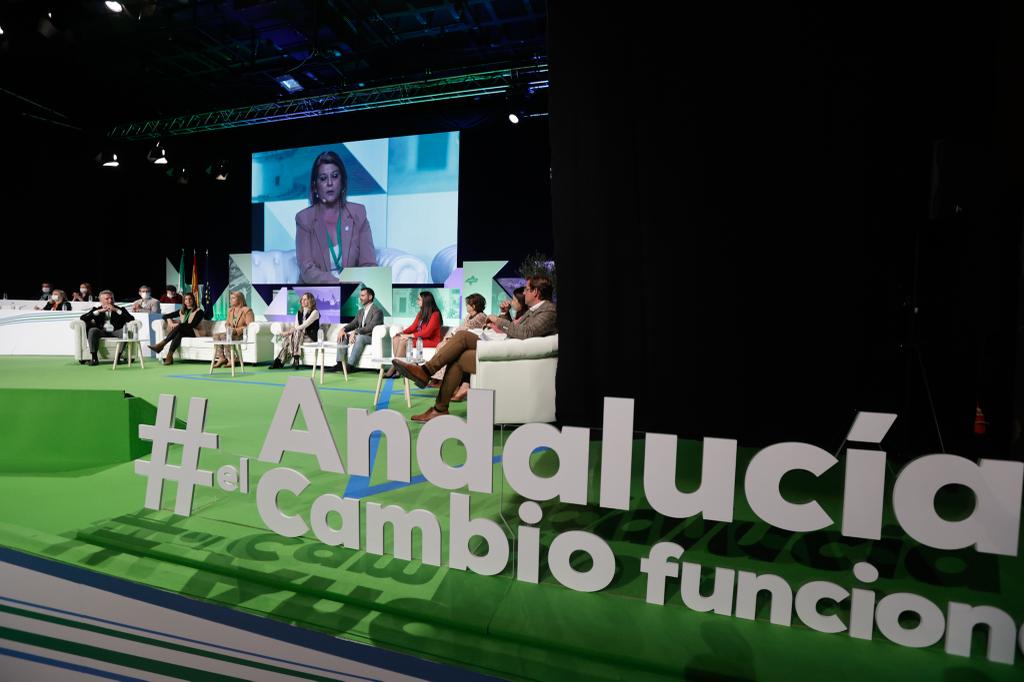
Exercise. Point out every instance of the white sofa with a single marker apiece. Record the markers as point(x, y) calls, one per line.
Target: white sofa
point(260, 348)
point(522, 375)
point(106, 349)
point(379, 348)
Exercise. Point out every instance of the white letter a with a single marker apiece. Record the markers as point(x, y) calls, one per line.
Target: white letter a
point(300, 393)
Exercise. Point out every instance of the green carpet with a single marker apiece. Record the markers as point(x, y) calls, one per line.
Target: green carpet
point(225, 554)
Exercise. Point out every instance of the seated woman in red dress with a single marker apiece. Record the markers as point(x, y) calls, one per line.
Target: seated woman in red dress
point(426, 326)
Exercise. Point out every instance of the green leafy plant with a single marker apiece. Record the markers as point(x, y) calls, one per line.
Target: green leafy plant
point(538, 264)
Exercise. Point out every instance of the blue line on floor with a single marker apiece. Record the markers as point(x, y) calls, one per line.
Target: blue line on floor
point(358, 485)
point(232, 380)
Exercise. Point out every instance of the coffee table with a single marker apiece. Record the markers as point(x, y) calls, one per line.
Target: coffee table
point(385, 363)
point(134, 345)
point(231, 349)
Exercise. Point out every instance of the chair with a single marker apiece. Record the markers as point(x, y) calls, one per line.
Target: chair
point(522, 375)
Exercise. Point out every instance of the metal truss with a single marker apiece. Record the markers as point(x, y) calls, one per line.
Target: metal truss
point(478, 84)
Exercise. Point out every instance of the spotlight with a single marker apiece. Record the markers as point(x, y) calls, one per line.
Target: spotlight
point(114, 6)
point(219, 170)
point(289, 84)
point(157, 155)
point(107, 159)
point(180, 174)
point(1, 30)
point(513, 118)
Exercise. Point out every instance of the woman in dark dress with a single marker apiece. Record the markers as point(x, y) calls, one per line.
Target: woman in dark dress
point(186, 319)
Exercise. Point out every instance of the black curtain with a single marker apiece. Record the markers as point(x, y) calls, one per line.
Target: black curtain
point(741, 217)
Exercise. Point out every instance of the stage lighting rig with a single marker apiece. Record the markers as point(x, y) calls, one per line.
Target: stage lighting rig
point(219, 170)
point(289, 83)
point(107, 159)
point(157, 155)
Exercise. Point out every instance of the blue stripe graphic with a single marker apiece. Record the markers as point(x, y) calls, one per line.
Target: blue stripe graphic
point(67, 665)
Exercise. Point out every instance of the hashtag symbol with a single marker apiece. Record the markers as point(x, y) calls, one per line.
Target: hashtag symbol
point(191, 438)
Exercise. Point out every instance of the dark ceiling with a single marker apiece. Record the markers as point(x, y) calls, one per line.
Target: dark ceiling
point(79, 64)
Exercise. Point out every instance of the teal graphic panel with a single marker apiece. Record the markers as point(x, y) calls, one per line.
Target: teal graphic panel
point(448, 301)
point(378, 279)
point(478, 278)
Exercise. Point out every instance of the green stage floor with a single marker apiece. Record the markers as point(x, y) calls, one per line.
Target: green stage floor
point(224, 553)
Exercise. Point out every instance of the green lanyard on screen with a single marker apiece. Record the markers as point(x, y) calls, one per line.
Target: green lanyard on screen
point(336, 256)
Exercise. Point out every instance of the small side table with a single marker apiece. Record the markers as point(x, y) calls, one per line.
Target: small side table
point(232, 349)
point(319, 349)
point(384, 363)
point(134, 345)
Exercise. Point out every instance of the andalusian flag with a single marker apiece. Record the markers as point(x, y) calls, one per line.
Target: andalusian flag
point(181, 273)
point(195, 276)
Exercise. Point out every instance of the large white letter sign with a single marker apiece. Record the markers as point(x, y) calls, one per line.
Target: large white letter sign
point(476, 433)
point(994, 524)
point(300, 393)
point(764, 474)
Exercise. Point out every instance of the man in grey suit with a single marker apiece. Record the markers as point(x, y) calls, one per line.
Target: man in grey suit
point(459, 354)
point(357, 334)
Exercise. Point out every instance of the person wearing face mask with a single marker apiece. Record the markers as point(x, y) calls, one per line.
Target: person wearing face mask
point(307, 324)
point(84, 293)
point(145, 303)
point(333, 233)
point(58, 301)
point(45, 295)
point(171, 295)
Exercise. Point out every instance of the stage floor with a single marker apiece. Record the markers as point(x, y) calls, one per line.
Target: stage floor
point(225, 554)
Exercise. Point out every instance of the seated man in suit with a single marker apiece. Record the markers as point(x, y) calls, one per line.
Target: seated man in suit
point(358, 333)
point(106, 319)
point(458, 356)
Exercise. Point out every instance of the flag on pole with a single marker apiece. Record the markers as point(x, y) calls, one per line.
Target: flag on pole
point(206, 282)
point(195, 275)
point(181, 273)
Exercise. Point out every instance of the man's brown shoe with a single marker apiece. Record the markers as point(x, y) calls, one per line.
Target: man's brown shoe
point(410, 371)
point(428, 415)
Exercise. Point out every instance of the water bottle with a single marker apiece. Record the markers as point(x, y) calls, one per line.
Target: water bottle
point(320, 336)
point(408, 352)
point(419, 350)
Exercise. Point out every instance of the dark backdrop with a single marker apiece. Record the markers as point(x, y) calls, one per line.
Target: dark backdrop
point(748, 211)
point(69, 220)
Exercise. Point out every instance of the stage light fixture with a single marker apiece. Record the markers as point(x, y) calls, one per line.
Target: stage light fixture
point(107, 159)
point(289, 84)
point(157, 155)
point(179, 174)
point(1, 30)
point(219, 170)
point(513, 118)
point(114, 6)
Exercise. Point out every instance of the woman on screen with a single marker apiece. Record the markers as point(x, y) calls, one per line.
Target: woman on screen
point(332, 233)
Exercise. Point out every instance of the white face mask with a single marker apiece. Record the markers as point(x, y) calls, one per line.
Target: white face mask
point(55, 297)
point(144, 295)
point(83, 292)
